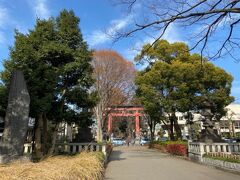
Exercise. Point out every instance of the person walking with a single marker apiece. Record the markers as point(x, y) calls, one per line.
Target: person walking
point(128, 140)
point(133, 141)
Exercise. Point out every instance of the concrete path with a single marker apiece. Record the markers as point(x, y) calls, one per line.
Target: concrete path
point(140, 163)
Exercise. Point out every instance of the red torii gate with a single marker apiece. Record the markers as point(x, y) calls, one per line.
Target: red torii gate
point(125, 111)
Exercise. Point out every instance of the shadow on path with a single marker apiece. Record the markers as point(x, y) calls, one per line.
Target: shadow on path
point(116, 156)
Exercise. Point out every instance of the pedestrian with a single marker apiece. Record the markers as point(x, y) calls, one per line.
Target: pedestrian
point(128, 140)
point(133, 141)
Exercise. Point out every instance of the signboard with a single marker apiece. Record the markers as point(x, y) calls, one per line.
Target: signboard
point(31, 122)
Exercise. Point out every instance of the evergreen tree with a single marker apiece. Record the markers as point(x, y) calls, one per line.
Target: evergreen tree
point(175, 80)
point(56, 64)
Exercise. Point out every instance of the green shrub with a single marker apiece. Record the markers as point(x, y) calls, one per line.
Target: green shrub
point(185, 143)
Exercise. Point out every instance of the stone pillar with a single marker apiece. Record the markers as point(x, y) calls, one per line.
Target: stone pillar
point(110, 124)
point(137, 124)
point(69, 133)
point(16, 120)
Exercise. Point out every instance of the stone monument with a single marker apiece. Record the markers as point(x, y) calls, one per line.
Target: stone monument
point(16, 120)
point(208, 134)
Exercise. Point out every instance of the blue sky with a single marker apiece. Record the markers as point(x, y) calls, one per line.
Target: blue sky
point(97, 17)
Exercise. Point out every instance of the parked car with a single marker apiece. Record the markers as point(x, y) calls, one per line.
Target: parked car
point(232, 140)
point(118, 141)
point(144, 141)
point(163, 139)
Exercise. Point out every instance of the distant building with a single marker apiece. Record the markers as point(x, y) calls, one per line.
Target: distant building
point(229, 125)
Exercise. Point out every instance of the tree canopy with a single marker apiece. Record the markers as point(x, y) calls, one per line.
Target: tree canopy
point(177, 81)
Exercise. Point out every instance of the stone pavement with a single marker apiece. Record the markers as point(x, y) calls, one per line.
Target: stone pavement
point(141, 163)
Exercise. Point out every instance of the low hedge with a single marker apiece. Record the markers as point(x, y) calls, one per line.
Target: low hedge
point(185, 143)
point(177, 149)
point(173, 147)
point(222, 158)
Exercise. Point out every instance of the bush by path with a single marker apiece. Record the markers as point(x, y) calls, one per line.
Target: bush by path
point(173, 147)
point(87, 166)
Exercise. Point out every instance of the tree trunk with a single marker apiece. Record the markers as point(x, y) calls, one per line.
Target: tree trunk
point(167, 126)
point(45, 134)
point(99, 118)
point(171, 129)
point(152, 128)
point(99, 133)
point(54, 138)
point(38, 134)
point(151, 133)
point(176, 127)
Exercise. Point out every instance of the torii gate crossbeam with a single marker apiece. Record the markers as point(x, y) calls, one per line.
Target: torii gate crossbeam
point(125, 112)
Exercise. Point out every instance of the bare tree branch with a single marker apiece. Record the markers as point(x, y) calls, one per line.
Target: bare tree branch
point(212, 14)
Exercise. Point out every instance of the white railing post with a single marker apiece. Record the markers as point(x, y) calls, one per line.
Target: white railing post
point(74, 149)
point(80, 148)
point(213, 148)
point(68, 148)
point(224, 148)
point(25, 149)
point(97, 147)
point(30, 149)
point(92, 148)
point(104, 149)
point(201, 148)
point(207, 148)
point(236, 148)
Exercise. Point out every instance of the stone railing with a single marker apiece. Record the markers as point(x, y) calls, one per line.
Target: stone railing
point(196, 150)
point(72, 148)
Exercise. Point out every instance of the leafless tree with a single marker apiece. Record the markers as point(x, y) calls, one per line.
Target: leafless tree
point(206, 21)
point(114, 84)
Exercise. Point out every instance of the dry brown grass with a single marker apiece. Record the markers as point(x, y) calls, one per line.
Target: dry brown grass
point(85, 166)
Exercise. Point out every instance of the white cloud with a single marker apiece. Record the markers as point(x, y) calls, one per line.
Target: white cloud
point(41, 10)
point(100, 36)
point(130, 53)
point(172, 34)
point(3, 16)
point(4, 21)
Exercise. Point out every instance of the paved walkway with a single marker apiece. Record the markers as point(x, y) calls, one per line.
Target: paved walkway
point(140, 163)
